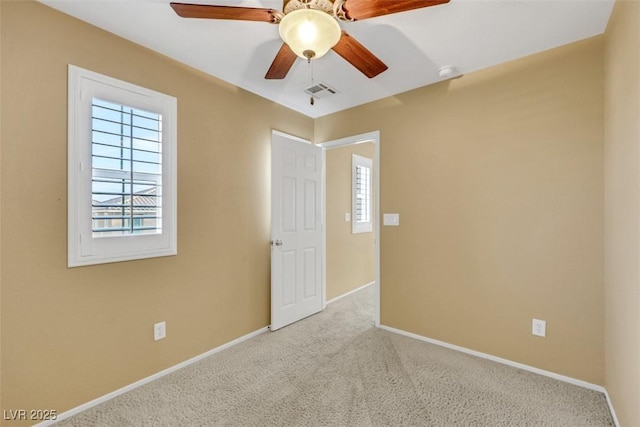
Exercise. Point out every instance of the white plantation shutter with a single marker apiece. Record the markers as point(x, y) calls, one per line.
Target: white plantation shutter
point(363, 194)
point(361, 177)
point(122, 171)
point(126, 159)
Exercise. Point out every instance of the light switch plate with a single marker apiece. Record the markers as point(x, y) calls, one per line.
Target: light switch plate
point(347, 217)
point(392, 219)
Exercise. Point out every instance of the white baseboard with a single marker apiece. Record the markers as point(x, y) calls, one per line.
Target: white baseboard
point(350, 292)
point(613, 411)
point(125, 389)
point(522, 366)
point(498, 359)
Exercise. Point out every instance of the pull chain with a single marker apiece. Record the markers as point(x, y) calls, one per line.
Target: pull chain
point(309, 54)
point(311, 100)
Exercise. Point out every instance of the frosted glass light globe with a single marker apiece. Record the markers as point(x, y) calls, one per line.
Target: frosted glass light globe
point(309, 30)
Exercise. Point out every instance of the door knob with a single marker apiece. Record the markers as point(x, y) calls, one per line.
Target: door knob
point(277, 242)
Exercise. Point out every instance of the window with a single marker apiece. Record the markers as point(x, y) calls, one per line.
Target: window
point(122, 170)
point(361, 194)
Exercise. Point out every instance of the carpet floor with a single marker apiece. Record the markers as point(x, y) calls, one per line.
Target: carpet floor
point(337, 369)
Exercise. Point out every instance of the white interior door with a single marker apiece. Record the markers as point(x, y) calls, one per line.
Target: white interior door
point(296, 230)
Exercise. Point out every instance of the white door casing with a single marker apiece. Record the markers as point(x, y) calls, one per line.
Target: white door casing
point(296, 230)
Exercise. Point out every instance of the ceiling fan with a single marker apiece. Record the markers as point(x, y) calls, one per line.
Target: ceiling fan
point(309, 28)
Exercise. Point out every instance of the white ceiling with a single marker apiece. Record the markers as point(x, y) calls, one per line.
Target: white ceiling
point(467, 34)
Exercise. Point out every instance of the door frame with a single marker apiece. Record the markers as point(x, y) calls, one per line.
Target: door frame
point(373, 137)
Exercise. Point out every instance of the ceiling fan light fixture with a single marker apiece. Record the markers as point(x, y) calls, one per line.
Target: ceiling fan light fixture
point(310, 33)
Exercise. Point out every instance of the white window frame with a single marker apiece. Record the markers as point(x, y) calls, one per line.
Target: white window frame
point(358, 226)
point(83, 248)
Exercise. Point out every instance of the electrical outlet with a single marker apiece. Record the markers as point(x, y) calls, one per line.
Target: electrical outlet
point(539, 328)
point(159, 331)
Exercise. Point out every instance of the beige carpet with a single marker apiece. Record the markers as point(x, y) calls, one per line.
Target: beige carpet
point(336, 369)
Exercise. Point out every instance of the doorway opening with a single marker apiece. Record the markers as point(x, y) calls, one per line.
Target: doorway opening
point(351, 246)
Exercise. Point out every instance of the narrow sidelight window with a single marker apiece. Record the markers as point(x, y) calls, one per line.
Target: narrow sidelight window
point(361, 194)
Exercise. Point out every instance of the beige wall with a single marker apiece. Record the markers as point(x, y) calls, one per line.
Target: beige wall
point(71, 335)
point(497, 177)
point(622, 208)
point(350, 257)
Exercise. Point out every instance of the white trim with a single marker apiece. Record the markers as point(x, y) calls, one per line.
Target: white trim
point(289, 136)
point(373, 137)
point(323, 220)
point(524, 367)
point(507, 362)
point(157, 375)
point(82, 248)
point(349, 140)
point(376, 180)
point(125, 389)
point(350, 292)
point(613, 411)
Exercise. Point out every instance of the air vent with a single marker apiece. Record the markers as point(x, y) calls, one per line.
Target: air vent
point(320, 90)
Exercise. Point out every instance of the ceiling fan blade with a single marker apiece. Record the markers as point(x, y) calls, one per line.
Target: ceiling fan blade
point(363, 9)
point(359, 56)
point(282, 63)
point(205, 11)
